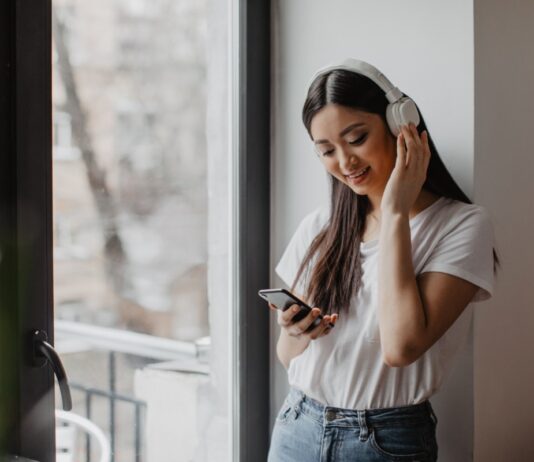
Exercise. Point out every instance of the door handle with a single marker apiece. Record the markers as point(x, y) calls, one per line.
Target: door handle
point(44, 353)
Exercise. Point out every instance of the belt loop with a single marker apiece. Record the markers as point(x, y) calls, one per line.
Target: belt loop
point(364, 431)
point(298, 404)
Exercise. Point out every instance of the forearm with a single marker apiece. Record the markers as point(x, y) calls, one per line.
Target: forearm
point(401, 315)
point(288, 347)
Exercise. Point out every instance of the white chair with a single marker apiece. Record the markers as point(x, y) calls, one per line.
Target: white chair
point(66, 436)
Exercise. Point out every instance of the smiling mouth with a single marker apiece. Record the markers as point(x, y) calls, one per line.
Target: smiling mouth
point(358, 173)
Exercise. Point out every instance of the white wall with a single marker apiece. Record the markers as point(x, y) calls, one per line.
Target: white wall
point(504, 168)
point(426, 49)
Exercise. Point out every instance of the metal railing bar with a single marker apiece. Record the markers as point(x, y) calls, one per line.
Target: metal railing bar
point(112, 396)
point(106, 394)
point(112, 365)
point(88, 413)
point(121, 341)
point(137, 430)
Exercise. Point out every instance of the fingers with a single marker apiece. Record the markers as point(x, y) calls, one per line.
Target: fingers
point(409, 141)
point(426, 146)
point(401, 150)
point(416, 147)
point(323, 328)
point(285, 319)
point(415, 135)
point(303, 327)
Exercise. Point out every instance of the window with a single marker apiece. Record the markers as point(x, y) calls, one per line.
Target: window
point(119, 311)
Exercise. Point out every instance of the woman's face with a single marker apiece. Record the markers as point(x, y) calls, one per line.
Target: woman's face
point(348, 140)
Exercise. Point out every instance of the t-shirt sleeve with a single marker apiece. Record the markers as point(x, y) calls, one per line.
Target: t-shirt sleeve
point(465, 250)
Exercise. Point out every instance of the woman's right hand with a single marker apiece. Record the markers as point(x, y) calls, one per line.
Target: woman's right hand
point(299, 328)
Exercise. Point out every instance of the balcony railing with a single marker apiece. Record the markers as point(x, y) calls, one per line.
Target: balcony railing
point(73, 337)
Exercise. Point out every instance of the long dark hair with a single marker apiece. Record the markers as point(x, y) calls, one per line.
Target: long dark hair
point(336, 273)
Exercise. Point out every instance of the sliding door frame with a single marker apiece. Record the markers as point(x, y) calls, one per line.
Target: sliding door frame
point(250, 182)
point(26, 287)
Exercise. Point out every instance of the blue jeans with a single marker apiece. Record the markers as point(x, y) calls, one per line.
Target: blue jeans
point(307, 431)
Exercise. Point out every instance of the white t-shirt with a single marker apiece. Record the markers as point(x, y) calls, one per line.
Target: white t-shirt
point(345, 368)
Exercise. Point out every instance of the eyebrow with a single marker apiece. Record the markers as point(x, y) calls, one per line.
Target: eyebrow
point(342, 133)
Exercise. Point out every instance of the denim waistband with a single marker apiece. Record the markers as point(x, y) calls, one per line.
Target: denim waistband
point(402, 415)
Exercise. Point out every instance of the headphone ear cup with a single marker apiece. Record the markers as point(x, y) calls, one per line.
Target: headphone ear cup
point(394, 127)
point(401, 112)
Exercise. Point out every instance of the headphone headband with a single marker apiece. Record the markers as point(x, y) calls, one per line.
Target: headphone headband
point(361, 67)
point(401, 110)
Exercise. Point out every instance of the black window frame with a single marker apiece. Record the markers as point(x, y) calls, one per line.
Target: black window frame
point(253, 88)
point(26, 284)
point(27, 219)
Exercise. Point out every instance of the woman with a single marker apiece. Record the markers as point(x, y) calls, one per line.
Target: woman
point(394, 264)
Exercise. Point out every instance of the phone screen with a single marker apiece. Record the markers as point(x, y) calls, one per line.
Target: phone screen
point(283, 299)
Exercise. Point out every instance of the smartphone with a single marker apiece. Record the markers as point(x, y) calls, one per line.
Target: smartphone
point(283, 299)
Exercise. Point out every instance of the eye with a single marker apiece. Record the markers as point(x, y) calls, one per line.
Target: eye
point(360, 140)
point(322, 153)
point(328, 153)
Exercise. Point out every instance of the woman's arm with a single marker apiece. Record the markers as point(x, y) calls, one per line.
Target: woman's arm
point(288, 347)
point(294, 337)
point(412, 313)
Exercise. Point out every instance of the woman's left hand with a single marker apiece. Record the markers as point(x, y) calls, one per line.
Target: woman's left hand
point(409, 174)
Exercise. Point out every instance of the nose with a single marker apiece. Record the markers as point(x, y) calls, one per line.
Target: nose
point(347, 160)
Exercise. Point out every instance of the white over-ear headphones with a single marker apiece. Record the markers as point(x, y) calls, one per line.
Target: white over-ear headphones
point(401, 110)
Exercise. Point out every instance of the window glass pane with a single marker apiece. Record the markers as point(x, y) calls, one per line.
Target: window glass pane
point(140, 227)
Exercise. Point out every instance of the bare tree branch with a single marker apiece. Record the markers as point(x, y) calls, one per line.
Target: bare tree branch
point(116, 257)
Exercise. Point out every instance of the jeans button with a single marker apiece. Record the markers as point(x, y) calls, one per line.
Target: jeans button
point(330, 415)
